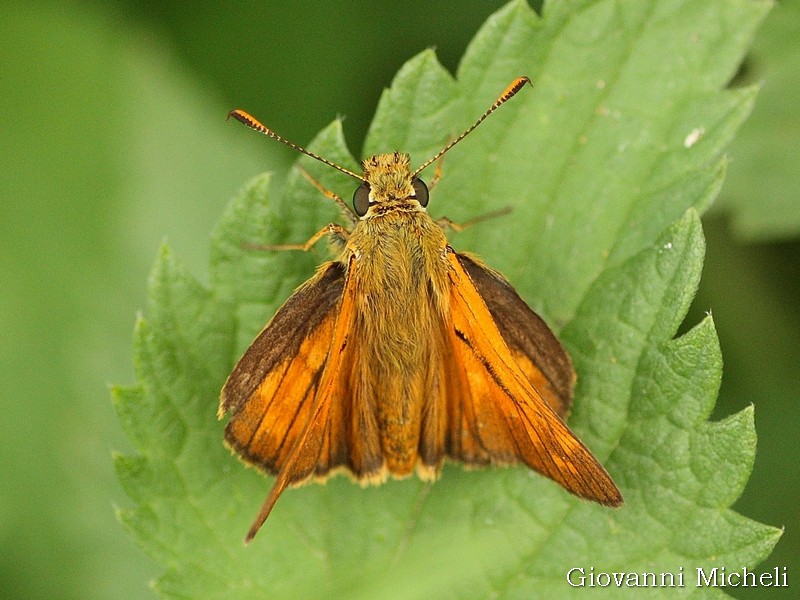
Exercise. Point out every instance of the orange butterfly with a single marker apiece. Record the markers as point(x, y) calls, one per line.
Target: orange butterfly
point(402, 353)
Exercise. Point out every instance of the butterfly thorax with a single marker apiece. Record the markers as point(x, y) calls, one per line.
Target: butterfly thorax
point(400, 262)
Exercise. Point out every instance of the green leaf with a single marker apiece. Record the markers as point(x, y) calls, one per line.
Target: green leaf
point(604, 240)
point(764, 185)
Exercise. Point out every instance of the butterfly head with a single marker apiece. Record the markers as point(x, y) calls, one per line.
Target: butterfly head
point(388, 184)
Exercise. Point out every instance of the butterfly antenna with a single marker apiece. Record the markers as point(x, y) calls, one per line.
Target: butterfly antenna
point(509, 92)
point(254, 123)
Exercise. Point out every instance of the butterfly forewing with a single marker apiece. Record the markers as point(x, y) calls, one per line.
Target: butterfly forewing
point(272, 389)
point(502, 411)
point(305, 417)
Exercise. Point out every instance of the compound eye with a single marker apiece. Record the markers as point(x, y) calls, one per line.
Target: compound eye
point(420, 191)
point(361, 199)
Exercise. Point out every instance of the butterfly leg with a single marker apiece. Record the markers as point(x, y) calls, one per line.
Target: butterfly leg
point(446, 223)
point(337, 233)
point(437, 175)
point(346, 211)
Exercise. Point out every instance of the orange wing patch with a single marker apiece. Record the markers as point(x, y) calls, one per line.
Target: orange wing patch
point(497, 415)
point(535, 348)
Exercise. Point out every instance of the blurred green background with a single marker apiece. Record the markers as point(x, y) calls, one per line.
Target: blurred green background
point(114, 138)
